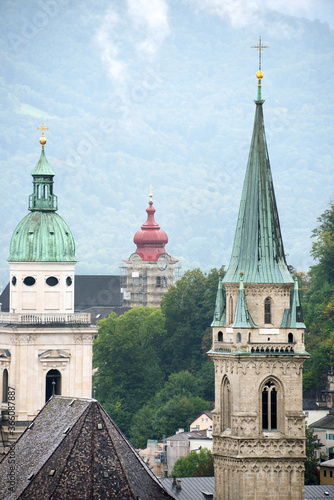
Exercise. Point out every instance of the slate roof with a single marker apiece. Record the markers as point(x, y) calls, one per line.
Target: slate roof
point(89, 455)
point(185, 436)
point(90, 292)
point(202, 488)
point(326, 422)
point(310, 404)
point(95, 290)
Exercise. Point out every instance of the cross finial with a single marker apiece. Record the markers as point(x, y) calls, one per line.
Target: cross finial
point(42, 139)
point(260, 48)
point(151, 195)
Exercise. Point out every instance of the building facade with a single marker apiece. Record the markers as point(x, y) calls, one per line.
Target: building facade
point(150, 270)
point(45, 348)
point(258, 350)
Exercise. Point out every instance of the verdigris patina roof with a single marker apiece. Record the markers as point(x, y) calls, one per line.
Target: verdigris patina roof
point(258, 247)
point(42, 236)
point(74, 450)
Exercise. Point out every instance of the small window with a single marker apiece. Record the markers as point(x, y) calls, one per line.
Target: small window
point(29, 281)
point(220, 336)
point(52, 281)
point(164, 282)
point(325, 473)
point(331, 473)
point(158, 282)
point(290, 338)
point(68, 281)
point(14, 280)
point(267, 311)
point(5, 386)
point(238, 338)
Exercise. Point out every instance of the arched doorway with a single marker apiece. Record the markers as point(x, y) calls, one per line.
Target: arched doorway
point(52, 384)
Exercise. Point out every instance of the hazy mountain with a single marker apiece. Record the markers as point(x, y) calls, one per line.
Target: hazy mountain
point(161, 92)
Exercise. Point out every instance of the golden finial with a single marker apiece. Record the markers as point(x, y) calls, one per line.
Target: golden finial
point(151, 195)
point(42, 139)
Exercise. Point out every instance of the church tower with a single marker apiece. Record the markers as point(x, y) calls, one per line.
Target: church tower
point(150, 270)
point(258, 350)
point(45, 348)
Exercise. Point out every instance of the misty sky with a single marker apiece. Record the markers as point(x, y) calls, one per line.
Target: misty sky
point(140, 92)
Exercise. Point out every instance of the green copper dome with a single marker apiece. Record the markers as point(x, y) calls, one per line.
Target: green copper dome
point(42, 236)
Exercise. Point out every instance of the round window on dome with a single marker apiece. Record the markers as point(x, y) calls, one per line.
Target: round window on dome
point(29, 281)
point(14, 280)
point(68, 281)
point(52, 281)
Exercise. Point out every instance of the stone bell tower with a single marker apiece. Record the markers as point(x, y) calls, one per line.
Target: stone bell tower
point(258, 350)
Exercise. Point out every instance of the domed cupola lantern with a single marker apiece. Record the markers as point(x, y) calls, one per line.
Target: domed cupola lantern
point(42, 250)
point(150, 269)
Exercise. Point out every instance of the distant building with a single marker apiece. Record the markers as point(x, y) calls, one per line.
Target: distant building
point(73, 449)
point(313, 411)
point(150, 271)
point(183, 443)
point(202, 422)
point(324, 428)
point(327, 472)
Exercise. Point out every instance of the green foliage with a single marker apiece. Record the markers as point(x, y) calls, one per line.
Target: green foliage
point(312, 462)
point(143, 358)
point(127, 354)
point(318, 306)
point(175, 406)
point(194, 465)
point(188, 308)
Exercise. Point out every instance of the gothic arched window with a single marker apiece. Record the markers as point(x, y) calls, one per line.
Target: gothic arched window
point(220, 336)
point(225, 404)
point(290, 338)
point(52, 384)
point(267, 310)
point(269, 406)
point(5, 386)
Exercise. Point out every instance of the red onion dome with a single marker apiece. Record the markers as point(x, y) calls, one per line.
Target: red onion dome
point(150, 239)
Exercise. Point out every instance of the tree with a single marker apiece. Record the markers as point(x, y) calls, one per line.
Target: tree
point(312, 462)
point(194, 465)
point(318, 305)
point(174, 406)
point(127, 357)
point(188, 308)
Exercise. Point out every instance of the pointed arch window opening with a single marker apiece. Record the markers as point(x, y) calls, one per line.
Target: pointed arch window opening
point(267, 311)
point(231, 310)
point(52, 384)
point(226, 405)
point(269, 406)
point(5, 386)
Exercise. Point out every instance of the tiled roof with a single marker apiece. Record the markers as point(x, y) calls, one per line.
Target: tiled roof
point(89, 455)
point(310, 404)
